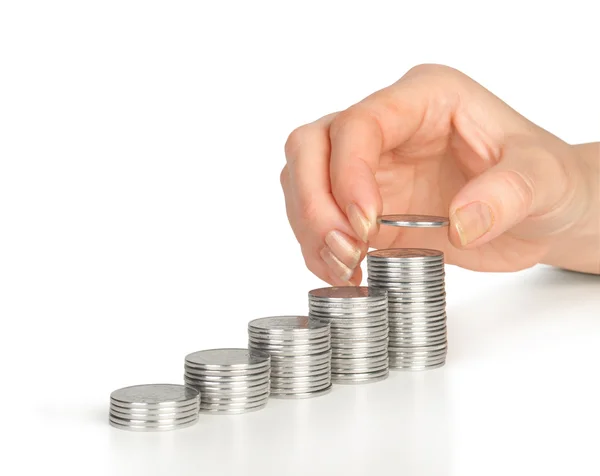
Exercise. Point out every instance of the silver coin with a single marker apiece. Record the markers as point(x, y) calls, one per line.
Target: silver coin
point(151, 423)
point(400, 300)
point(407, 287)
point(369, 377)
point(219, 359)
point(419, 360)
point(282, 392)
point(408, 265)
point(300, 372)
point(276, 370)
point(296, 395)
point(402, 337)
point(350, 326)
point(285, 351)
point(425, 349)
point(418, 221)
point(418, 368)
point(322, 310)
point(206, 386)
point(349, 337)
point(162, 417)
point(416, 359)
point(417, 305)
point(229, 379)
point(234, 399)
point(302, 377)
point(226, 372)
point(287, 387)
point(348, 353)
point(352, 307)
point(350, 314)
point(287, 324)
point(423, 254)
point(288, 343)
point(294, 360)
point(217, 408)
point(419, 275)
point(150, 428)
point(154, 396)
point(234, 393)
point(359, 370)
point(343, 293)
point(407, 345)
point(417, 316)
point(369, 357)
point(124, 407)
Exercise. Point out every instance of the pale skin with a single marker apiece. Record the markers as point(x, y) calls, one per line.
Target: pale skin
point(436, 142)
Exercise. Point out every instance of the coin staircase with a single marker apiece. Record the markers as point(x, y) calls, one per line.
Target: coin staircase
point(350, 335)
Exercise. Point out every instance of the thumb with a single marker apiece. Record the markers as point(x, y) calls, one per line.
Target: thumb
point(528, 181)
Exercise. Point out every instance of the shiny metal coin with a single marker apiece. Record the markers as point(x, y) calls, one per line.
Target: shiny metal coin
point(415, 221)
point(288, 339)
point(225, 393)
point(418, 368)
point(225, 380)
point(360, 370)
point(351, 324)
point(356, 353)
point(430, 359)
point(380, 307)
point(296, 395)
point(233, 386)
point(368, 377)
point(313, 359)
point(229, 399)
point(219, 359)
point(227, 410)
point(151, 423)
point(143, 410)
point(151, 428)
point(278, 392)
point(407, 276)
point(380, 334)
point(343, 293)
point(226, 372)
point(412, 254)
point(319, 315)
point(150, 417)
point(292, 385)
point(285, 369)
point(424, 349)
point(294, 351)
point(288, 325)
point(154, 396)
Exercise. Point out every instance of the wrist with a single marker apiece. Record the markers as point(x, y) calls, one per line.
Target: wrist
point(577, 247)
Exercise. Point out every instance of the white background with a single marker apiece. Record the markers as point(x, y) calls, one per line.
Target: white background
point(141, 218)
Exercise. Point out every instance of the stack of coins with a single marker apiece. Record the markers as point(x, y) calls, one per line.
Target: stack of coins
point(414, 280)
point(229, 380)
point(359, 331)
point(300, 352)
point(155, 407)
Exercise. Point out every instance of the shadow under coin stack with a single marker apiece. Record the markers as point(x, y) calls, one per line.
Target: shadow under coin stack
point(157, 407)
point(414, 280)
point(359, 331)
point(229, 380)
point(300, 352)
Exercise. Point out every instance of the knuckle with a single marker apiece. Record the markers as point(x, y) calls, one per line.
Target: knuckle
point(295, 140)
point(283, 177)
point(355, 116)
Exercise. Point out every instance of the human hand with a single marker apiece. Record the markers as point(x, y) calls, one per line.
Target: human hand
point(436, 142)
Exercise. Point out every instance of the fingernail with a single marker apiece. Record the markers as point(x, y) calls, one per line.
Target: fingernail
point(343, 248)
point(338, 269)
point(472, 222)
point(360, 223)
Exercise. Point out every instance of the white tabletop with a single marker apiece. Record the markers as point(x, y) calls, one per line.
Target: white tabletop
point(519, 395)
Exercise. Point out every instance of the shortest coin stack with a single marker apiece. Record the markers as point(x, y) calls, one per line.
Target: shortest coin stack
point(359, 331)
point(229, 380)
point(300, 354)
point(155, 407)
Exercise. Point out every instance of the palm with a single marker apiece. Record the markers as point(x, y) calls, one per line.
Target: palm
point(423, 177)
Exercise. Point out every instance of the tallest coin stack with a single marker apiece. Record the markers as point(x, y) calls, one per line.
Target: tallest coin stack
point(414, 280)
